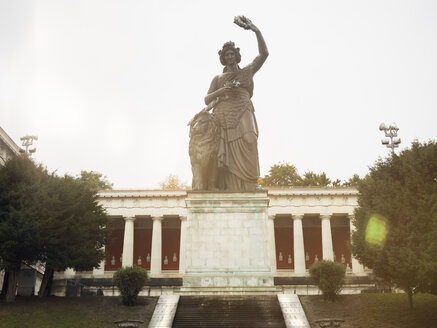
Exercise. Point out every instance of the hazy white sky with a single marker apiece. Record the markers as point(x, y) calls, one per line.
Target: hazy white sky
point(110, 85)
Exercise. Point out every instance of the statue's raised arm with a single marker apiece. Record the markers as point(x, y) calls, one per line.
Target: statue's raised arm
point(247, 24)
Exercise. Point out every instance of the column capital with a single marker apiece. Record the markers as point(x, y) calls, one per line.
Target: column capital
point(325, 216)
point(272, 217)
point(157, 218)
point(297, 216)
point(351, 216)
point(182, 218)
point(129, 218)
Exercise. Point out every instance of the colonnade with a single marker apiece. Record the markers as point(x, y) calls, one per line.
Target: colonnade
point(298, 243)
point(299, 256)
point(156, 251)
point(302, 217)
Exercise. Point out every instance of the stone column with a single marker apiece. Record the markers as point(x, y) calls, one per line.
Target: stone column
point(182, 244)
point(298, 245)
point(327, 250)
point(357, 267)
point(100, 270)
point(128, 242)
point(272, 242)
point(156, 258)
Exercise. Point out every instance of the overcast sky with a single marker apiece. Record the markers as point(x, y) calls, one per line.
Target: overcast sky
point(109, 85)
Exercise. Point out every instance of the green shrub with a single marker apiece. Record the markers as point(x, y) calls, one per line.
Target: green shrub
point(130, 281)
point(329, 276)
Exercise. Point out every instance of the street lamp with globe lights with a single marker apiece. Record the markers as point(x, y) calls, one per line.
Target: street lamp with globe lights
point(391, 132)
point(27, 142)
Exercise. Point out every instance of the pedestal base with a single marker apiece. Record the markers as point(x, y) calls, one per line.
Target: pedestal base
point(227, 243)
point(231, 279)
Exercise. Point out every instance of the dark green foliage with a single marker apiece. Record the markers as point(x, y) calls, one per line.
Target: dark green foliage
point(74, 230)
point(401, 192)
point(281, 175)
point(315, 180)
point(329, 276)
point(47, 218)
point(336, 183)
point(352, 182)
point(130, 281)
point(286, 175)
point(20, 214)
point(96, 181)
point(20, 217)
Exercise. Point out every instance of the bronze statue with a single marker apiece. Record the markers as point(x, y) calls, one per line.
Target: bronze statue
point(236, 151)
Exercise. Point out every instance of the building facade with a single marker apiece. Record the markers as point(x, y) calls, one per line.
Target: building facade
point(153, 229)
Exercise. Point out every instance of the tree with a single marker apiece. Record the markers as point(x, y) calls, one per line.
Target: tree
point(20, 216)
point(95, 180)
point(172, 182)
point(352, 182)
point(336, 183)
point(286, 175)
point(315, 180)
point(282, 175)
point(55, 220)
point(396, 219)
point(74, 229)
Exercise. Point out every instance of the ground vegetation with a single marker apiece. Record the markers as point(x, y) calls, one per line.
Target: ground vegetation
point(329, 276)
point(375, 310)
point(130, 281)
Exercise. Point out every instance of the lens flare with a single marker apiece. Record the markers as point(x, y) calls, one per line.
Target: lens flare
point(376, 230)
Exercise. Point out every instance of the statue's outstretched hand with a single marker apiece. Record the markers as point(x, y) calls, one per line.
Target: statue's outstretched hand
point(245, 23)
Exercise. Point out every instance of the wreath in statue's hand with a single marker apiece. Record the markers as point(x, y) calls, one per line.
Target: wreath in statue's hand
point(243, 22)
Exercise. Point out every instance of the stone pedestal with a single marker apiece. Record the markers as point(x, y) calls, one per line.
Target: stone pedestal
point(227, 244)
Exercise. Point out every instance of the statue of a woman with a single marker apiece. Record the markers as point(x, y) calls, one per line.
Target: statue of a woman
point(229, 95)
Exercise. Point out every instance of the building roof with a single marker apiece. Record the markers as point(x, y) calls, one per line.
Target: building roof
point(9, 142)
point(8, 148)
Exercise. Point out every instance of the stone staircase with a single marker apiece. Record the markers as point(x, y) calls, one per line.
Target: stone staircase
point(229, 311)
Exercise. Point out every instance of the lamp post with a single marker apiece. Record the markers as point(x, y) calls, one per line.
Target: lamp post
point(27, 142)
point(390, 132)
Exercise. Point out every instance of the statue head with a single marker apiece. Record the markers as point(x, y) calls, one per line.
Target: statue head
point(229, 46)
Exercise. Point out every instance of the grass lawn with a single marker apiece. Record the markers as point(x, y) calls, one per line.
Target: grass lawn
point(358, 311)
point(374, 310)
point(72, 312)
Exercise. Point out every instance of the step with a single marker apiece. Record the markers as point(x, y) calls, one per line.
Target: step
point(229, 311)
point(270, 290)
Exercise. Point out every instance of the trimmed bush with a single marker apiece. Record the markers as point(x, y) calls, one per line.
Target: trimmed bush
point(130, 281)
point(329, 276)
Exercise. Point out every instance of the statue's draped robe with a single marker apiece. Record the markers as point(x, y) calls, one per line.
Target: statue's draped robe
point(237, 159)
